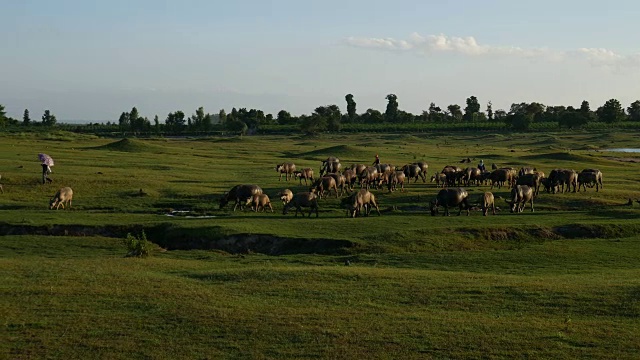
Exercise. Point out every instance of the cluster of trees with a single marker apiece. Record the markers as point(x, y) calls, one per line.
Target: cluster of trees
point(48, 119)
point(329, 118)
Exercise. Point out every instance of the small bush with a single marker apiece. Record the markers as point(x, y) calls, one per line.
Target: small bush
point(137, 246)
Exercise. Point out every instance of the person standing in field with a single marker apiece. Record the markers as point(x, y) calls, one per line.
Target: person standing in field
point(46, 170)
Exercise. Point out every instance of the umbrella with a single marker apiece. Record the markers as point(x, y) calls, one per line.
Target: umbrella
point(45, 159)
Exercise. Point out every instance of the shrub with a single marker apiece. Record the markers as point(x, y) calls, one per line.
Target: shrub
point(137, 246)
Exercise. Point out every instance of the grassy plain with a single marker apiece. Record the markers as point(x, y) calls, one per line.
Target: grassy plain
point(562, 282)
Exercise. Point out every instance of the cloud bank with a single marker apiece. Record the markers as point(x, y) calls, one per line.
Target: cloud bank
point(430, 45)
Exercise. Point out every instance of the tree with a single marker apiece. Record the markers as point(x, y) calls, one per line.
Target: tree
point(48, 119)
point(312, 124)
point(175, 121)
point(351, 108)
point(490, 111)
point(391, 114)
point(634, 111)
point(329, 116)
point(222, 116)
point(123, 121)
point(3, 115)
point(372, 116)
point(585, 113)
point(237, 126)
point(284, 118)
point(611, 112)
point(26, 120)
point(156, 124)
point(473, 107)
point(572, 118)
point(455, 112)
point(435, 113)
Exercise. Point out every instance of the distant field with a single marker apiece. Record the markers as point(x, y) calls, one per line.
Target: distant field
point(561, 282)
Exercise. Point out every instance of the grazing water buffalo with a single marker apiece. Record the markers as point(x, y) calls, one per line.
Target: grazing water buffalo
point(286, 195)
point(488, 202)
point(368, 176)
point(440, 179)
point(450, 198)
point(61, 197)
point(520, 196)
point(548, 185)
point(287, 169)
point(306, 174)
point(260, 201)
point(325, 183)
point(240, 194)
point(300, 200)
point(362, 199)
point(589, 177)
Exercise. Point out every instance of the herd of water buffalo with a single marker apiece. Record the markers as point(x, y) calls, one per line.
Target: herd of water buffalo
point(525, 184)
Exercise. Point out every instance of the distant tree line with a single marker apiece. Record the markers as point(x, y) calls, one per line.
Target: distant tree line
point(520, 117)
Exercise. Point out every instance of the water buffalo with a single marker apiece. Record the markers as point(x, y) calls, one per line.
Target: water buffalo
point(450, 198)
point(368, 176)
point(394, 179)
point(384, 168)
point(453, 174)
point(325, 183)
point(412, 171)
point(488, 202)
point(472, 174)
point(520, 196)
point(531, 180)
point(526, 170)
point(590, 177)
point(286, 195)
point(362, 199)
point(306, 174)
point(358, 168)
point(61, 197)
point(424, 167)
point(330, 167)
point(287, 169)
point(562, 177)
point(300, 200)
point(350, 177)
point(261, 201)
point(440, 179)
point(240, 194)
point(341, 183)
point(500, 177)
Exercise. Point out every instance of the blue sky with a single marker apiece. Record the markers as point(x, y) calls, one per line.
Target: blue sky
point(90, 61)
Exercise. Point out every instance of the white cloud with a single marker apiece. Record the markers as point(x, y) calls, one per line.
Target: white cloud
point(468, 46)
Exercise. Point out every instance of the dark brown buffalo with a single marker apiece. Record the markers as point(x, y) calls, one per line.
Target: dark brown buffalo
point(500, 177)
point(453, 174)
point(424, 167)
point(531, 180)
point(368, 177)
point(470, 175)
point(520, 196)
point(526, 170)
point(357, 201)
point(325, 183)
point(240, 194)
point(412, 171)
point(450, 198)
point(287, 169)
point(301, 200)
point(590, 177)
point(562, 177)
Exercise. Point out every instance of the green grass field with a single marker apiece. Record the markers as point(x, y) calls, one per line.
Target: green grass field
point(560, 283)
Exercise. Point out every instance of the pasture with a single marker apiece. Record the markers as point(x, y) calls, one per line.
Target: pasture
point(561, 282)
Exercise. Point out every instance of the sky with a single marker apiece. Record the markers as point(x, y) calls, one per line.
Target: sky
point(91, 60)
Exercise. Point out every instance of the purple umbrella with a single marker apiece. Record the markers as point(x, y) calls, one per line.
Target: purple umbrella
point(45, 159)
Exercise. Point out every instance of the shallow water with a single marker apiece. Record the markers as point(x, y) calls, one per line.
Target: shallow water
point(627, 150)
